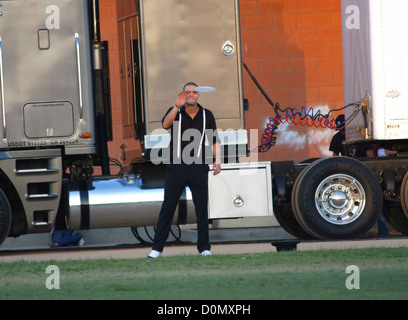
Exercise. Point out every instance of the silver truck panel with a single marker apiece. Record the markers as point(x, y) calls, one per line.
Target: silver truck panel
point(46, 74)
point(36, 177)
point(192, 40)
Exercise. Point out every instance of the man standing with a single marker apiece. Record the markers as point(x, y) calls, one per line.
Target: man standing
point(189, 123)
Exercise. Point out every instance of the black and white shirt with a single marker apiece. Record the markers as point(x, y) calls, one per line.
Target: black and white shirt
point(187, 143)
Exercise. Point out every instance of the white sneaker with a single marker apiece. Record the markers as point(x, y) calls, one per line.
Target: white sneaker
point(206, 253)
point(81, 242)
point(154, 254)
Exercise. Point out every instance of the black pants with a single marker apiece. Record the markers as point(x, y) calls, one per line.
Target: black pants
point(178, 176)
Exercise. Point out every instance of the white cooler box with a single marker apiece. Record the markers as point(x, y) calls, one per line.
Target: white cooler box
point(241, 190)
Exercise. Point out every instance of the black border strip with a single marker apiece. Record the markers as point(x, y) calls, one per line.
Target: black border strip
point(85, 212)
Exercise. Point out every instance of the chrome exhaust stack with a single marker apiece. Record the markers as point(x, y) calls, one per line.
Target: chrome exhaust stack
point(121, 202)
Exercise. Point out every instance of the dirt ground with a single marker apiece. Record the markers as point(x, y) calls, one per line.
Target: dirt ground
point(181, 250)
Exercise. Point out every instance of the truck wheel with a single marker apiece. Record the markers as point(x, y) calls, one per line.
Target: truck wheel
point(5, 217)
point(397, 214)
point(404, 195)
point(394, 214)
point(337, 198)
point(286, 219)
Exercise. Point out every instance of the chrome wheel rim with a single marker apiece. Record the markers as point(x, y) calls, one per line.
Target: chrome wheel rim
point(340, 199)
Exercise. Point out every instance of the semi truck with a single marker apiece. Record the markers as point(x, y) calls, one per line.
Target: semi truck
point(56, 121)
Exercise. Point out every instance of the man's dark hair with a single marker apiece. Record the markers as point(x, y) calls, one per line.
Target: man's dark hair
point(189, 84)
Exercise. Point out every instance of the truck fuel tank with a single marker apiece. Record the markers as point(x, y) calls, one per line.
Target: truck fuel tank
point(121, 202)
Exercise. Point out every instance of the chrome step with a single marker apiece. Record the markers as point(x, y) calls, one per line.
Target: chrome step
point(41, 196)
point(35, 171)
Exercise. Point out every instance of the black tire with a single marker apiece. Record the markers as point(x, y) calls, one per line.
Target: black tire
point(286, 219)
point(5, 217)
point(397, 213)
point(337, 198)
point(404, 195)
point(395, 216)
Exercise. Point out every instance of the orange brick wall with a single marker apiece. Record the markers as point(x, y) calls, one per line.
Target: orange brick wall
point(109, 11)
point(293, 47)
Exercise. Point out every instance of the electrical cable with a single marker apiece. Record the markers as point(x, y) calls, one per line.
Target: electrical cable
point(304, 117)
point(148, 242)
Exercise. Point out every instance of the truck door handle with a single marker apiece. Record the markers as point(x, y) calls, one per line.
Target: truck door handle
point(3, 105)
point(228, 48)
point(78, 56)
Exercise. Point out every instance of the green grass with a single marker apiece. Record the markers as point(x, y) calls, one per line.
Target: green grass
point(279, 275)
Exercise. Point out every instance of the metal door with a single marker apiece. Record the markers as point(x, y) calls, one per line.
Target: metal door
point(191, 40)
